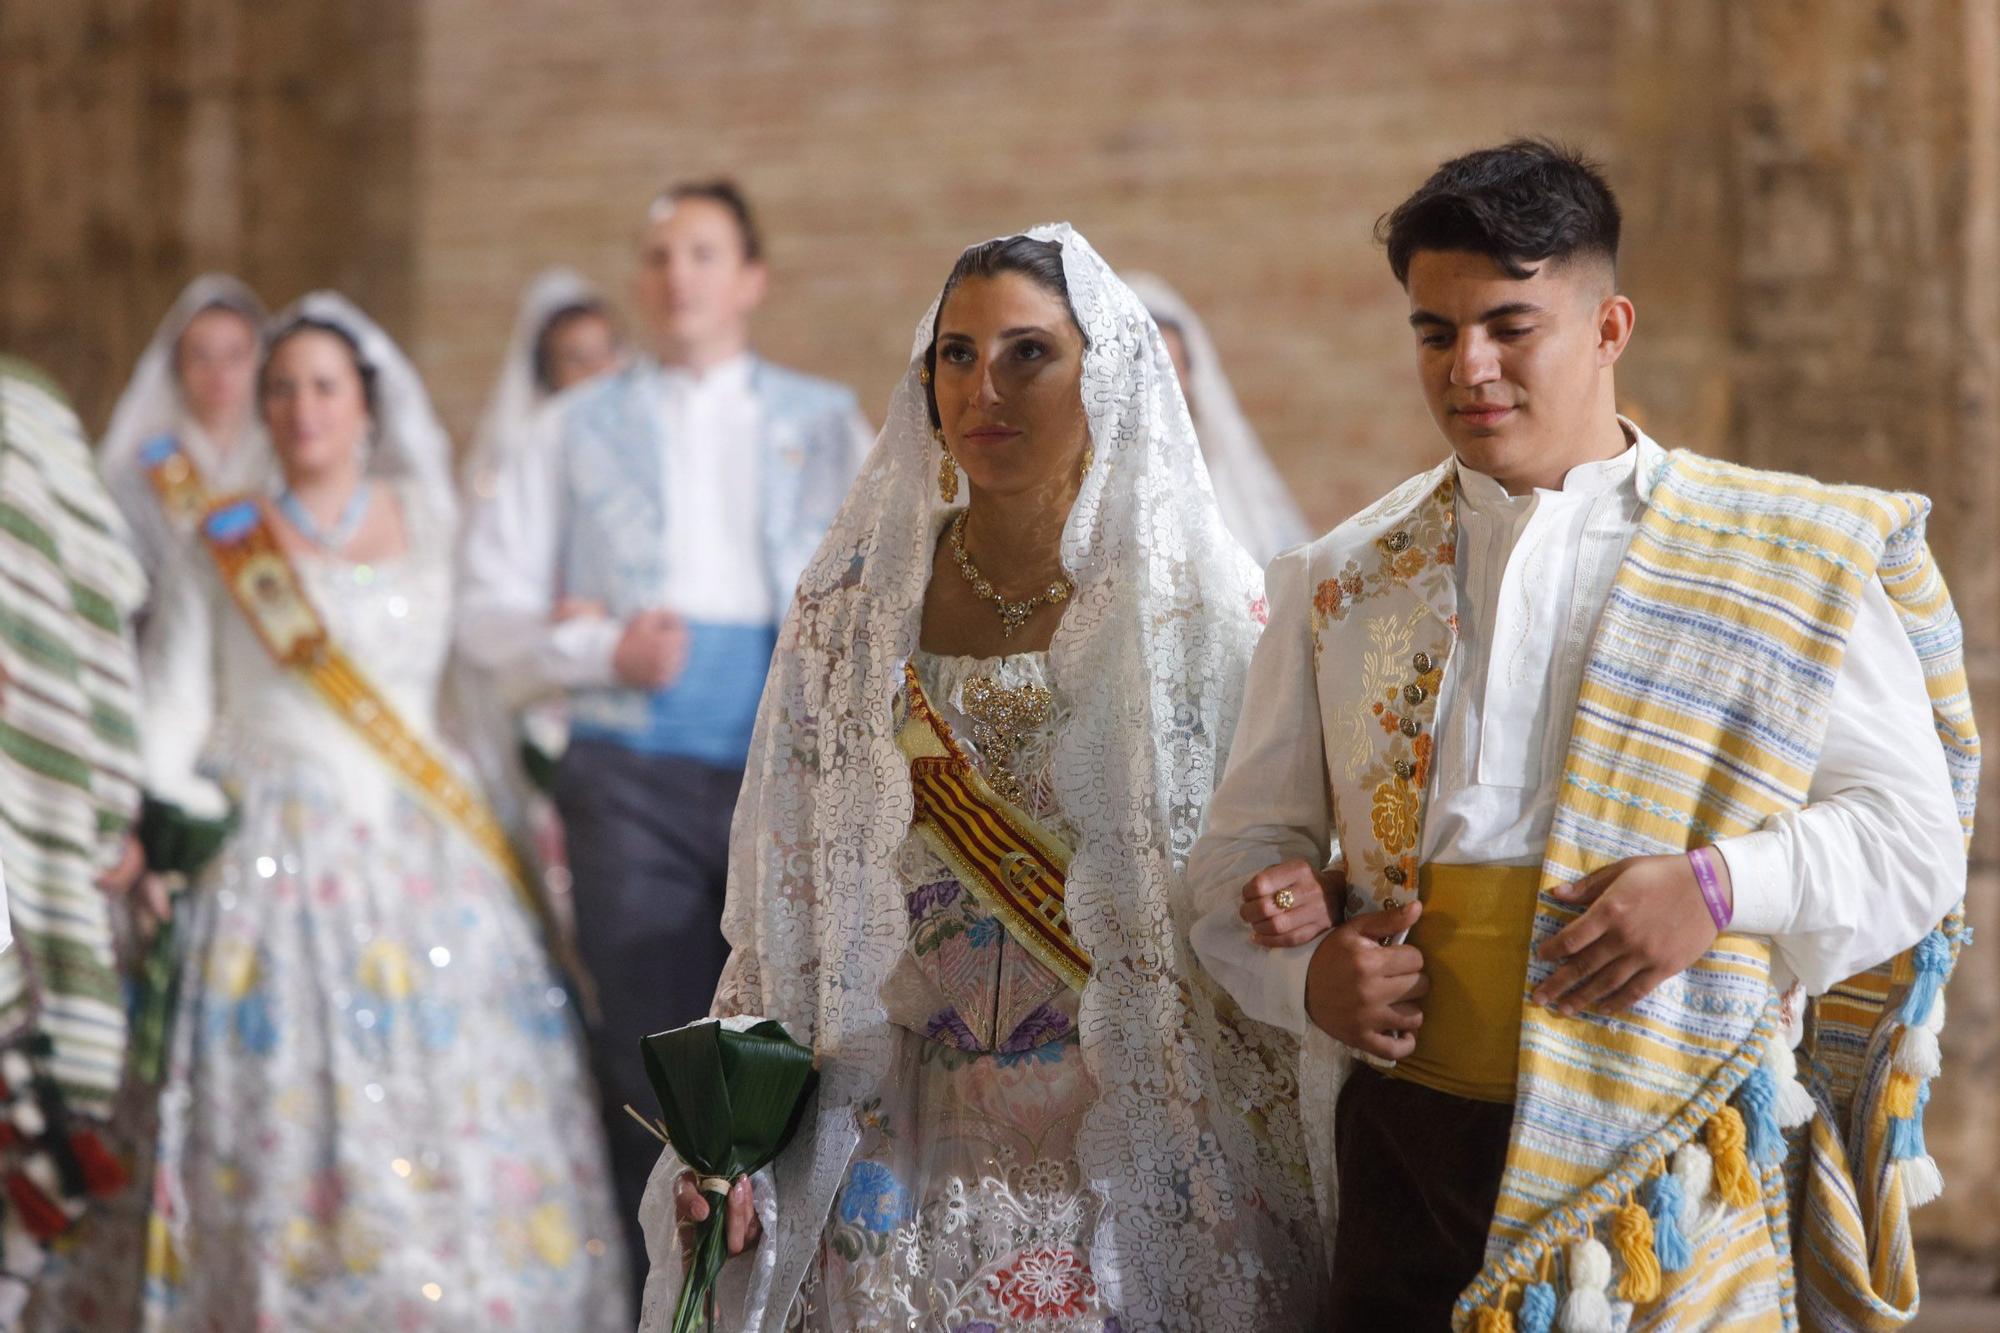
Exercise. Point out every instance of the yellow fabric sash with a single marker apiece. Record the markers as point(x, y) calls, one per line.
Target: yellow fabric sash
point(183, 495)
point(1011, 864)
point(266, 588)
point(1475, 931)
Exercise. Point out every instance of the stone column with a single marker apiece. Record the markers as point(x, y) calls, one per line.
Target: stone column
point(1864, 153)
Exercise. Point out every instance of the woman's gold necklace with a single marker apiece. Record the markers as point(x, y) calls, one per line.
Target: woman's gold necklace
point(1013, 615)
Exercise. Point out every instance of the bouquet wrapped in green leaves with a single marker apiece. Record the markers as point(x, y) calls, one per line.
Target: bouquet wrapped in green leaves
point(177, 844)
point(730, 1100)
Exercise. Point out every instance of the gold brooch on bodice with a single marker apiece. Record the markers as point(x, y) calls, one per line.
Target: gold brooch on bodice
point(1003, 717)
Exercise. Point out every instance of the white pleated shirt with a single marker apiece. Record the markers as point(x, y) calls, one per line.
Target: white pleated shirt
point(1863, 871)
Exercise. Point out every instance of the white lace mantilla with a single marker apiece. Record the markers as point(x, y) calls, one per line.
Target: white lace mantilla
point(1191, 1146)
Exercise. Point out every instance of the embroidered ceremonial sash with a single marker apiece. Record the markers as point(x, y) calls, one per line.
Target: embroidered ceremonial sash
point(1011, 864)
point(183, 495)
point(266, 588)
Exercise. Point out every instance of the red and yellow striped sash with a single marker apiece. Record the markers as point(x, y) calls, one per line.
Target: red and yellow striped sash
point(1011, 864)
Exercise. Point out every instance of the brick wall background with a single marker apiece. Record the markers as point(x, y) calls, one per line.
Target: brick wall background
point(1812, 191)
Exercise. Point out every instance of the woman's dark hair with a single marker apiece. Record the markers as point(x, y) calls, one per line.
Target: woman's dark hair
point(727, 193)
point(545, 341)
point(307, 324)
point(1038, 261)
point(1523, 203)
point(1173, 326)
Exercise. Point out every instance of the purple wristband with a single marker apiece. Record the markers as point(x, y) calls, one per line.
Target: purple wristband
point(1711, 889)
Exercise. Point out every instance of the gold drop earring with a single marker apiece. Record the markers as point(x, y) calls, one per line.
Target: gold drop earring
point(947, 470)
point(1089, 457)
point(947, 466)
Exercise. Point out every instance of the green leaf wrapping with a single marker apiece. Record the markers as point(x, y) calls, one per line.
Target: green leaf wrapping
point(177, 844)
point(539, 765)
point(730, 1102)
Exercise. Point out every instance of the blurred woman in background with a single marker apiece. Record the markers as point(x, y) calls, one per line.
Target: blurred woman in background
point(564, 334)
point(1259, 510)
point(186, 428)
point(375, 1112)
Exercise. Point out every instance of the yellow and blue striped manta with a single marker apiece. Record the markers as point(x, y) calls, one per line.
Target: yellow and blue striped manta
point(1650, 1182)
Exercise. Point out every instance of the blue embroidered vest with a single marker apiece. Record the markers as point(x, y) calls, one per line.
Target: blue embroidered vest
point(613, 551)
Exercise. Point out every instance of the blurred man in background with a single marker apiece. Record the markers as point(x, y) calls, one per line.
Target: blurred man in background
point(669, 510)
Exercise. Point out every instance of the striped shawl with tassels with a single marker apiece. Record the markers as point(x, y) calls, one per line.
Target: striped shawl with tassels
point(1649, 1165)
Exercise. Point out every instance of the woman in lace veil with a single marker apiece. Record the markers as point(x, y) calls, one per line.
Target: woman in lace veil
point(190, 398)
point(996, 1143)
point(1255, 504)
point(374, 1111)
point(563, 334)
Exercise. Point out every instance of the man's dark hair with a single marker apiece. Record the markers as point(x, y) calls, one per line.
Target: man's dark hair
point(1521, 204)
point(727, 193)
point(1038, 261)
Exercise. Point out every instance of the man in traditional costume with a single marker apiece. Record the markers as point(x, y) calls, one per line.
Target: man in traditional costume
point(1640, 784)
point(680, 497)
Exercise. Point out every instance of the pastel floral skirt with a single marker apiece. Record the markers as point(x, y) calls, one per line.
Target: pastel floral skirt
point(964, 1211)
point(375, 1114)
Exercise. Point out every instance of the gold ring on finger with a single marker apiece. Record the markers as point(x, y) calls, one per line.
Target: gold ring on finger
point(1285, 899)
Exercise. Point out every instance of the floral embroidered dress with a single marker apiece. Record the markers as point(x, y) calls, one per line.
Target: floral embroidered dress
point(375, 1114)
point(964, 1209)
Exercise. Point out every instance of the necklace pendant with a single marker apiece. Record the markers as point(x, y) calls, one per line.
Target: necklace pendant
point(1012, 615)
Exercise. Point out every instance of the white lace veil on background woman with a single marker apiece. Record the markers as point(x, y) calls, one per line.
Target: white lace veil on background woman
point(519, 394)
point(1255, 503)
point(517, 391)
point(152, 405)
point(1193, 1144)
point(407, 442)
point(410, 443)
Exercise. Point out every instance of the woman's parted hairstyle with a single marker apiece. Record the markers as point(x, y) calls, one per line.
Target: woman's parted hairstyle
point(1521, 204)
point(307, 324)
point(1041, 262)
point(543, 354)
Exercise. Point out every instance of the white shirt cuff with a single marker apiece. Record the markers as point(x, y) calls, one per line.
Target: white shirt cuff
point(1760, 879)
point(1270, 984)
point(1287, 988)
point(584, 648)
point(199, 797)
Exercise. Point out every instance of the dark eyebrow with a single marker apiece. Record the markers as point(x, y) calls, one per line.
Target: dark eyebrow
point(1022, 331)
point(1422, 317)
